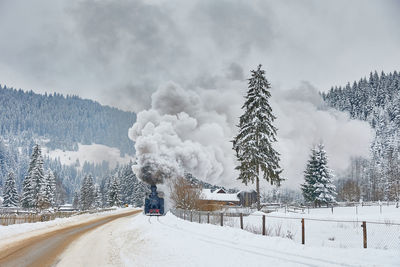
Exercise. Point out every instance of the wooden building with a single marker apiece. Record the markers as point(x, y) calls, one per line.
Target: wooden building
point(215, 200)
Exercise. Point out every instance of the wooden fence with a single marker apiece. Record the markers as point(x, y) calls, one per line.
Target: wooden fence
point(22, 216)
point(385, 235)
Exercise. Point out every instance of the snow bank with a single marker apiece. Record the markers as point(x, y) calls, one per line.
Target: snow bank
point(169, 241)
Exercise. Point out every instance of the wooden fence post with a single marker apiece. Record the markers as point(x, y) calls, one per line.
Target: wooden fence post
point(222, 219)
point(364, 226)
point(184, 215)
point(191, 216)
point(241, 221)
point(199, 217)
point(303, 234)
point(263, 226)
point(208, 217)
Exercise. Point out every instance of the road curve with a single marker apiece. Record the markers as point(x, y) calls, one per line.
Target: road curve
point(43, 250)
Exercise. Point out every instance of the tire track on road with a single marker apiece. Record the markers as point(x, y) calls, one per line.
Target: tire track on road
point(43, 250)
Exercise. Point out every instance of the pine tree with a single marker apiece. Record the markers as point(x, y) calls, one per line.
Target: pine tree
point(47, 191)
point(27, 193)
point(253, 144)
point(324, 188)
point(310, 178)
point(97, 197)
point(87, 197)
point(34, 182)
point(37, 176)
point(318, 186)
point(127, 178)
point(51, 188)
point(75, 202)
point(114, 197)
point(10, 193)
point(139, 193)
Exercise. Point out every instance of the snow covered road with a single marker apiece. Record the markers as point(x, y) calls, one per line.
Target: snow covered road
point(41, 247)
point(169, 241)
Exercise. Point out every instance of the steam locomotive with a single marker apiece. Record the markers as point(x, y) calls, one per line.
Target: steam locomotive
point(153, 204)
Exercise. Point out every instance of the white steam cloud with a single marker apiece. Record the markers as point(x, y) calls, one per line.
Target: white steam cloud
point(191, 130)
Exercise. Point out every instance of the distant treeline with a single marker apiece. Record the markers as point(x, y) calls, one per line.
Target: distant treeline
point(64, 120)
point(376, 100)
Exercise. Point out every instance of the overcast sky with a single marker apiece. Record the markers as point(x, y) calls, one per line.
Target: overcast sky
point(118, 52)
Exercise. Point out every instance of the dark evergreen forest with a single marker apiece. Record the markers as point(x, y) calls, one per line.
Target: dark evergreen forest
point(63, 120)
point(58, 122)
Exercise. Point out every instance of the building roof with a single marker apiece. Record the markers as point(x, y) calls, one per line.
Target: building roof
point(206, 194)
point(220, 191)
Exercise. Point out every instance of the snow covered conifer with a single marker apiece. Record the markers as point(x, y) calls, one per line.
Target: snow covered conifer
point(139, 192)
point(10, 193)
point(318, 186)
point(75, 202)
point(27, 193)
point(51, 184)
point(47, 191)
point(87, 197)
point(37, 175)
point(34, 181)
point(253, 144)
point(97, 197)
point(114, 197)
point(310, 178)
point(127, 178)
point(324, 188)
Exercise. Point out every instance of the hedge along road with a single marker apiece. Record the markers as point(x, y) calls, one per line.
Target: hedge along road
point(44, 249)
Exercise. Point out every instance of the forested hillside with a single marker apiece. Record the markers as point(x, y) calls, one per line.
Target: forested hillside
point(63, 120)
point(376, 100)
point(58, 122)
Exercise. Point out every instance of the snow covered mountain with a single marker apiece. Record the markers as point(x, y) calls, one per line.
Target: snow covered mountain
point(77, 136)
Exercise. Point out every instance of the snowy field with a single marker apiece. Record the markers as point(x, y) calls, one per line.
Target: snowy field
point(95, 153)
point(170, 241)
point(340, 229)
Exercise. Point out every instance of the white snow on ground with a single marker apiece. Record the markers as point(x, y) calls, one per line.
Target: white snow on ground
point(170, 241)
point(340, 229)
point(16, 232)
point(94, 153)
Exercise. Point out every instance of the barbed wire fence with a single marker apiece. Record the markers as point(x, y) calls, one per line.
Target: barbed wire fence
point(308, 231)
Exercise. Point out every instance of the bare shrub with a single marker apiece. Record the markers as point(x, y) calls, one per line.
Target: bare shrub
point(289, 235)
point(253, 229)
point(229, 221)
point(278, 230)
point(184, 195)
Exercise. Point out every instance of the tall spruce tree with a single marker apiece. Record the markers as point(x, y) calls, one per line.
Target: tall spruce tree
point(318, 186)
point(34, 181)
point(27, 193)
point(310, 177)
point(127, 178)
point(114, 193)
point(87, 197)
point(47, 191)
point(253, 144)
point(97, 197)
point(10, 193)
